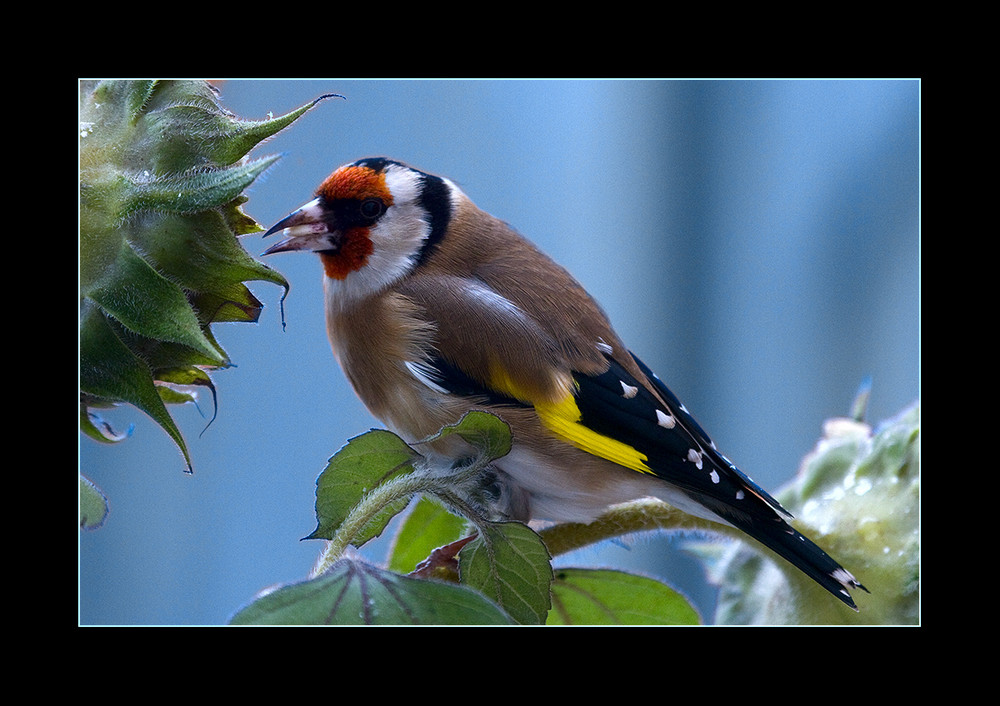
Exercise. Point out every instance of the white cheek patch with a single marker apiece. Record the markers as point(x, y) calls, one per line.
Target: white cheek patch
point(403, 184)
point(396, 240)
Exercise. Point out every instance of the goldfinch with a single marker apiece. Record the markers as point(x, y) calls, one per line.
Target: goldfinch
point(435, 308)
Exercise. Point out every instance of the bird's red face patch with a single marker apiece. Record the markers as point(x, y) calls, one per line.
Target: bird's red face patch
point(352, 183)
point(355, 183)
point(352, 255)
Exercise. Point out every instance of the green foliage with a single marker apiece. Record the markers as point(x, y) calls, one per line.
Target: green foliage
point(427, 526)
point(857, 495)
point(356, 593)
point(349, 475)
point(602, 596)
point(162, 172)
point(93, 505)
point(500, 572)
point(509, 563)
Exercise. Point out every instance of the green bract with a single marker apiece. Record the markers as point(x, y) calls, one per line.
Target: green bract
point(162, 172)
point(857, 494)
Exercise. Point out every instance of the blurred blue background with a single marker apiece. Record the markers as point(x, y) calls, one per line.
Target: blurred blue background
point(755, 242)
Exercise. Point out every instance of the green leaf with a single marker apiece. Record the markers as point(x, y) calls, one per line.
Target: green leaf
point(355, 593)
point(605, 597)
point(196, 128)
point(509, 563)
point(192, 191)
point(233, 304)
point(184, 377)
point(428, 525)
point(93, 505)
point(364, 463)
point(200, 250)
point(485, 431)
point(97, 428)
point(110, 371)
point(239, 222)
point(171, 396)
point(147, 303)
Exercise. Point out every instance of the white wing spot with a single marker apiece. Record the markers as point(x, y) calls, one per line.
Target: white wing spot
point(714, 475)
point(740, 495)
point(665, 420)
point(695, 458)
point(844, 577)
point(628, 390)
point(604, 347)
point(424, 374)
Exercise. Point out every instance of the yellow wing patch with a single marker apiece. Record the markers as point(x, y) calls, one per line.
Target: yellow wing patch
point(554, 388)
point(564, 420)
point(562, 417)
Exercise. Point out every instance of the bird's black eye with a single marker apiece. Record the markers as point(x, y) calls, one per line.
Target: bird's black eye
point(371, 208)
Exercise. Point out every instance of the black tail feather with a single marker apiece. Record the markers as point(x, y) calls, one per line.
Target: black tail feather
point(802, 553)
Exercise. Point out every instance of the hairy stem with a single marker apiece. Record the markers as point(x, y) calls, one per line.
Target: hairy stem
point(404, 486)
point(628, 518)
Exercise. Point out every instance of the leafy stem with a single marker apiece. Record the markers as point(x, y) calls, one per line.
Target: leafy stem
point(395, 490)
point(399, 491)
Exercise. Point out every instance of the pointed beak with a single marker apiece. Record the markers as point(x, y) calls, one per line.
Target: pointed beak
point(308, 228)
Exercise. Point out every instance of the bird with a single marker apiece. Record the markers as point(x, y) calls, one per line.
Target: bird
point(434, 308)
